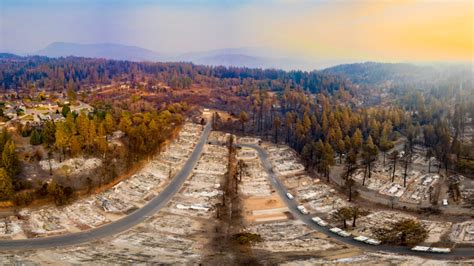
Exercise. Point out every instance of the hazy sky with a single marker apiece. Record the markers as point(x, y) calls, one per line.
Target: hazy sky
point(322, 29)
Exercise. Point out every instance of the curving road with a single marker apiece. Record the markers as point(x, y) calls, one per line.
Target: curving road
point(457, 253)
point(123, 224)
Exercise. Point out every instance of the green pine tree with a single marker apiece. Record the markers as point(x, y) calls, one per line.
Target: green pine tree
point(35, 138)
point(6, 186)
point(9, 159)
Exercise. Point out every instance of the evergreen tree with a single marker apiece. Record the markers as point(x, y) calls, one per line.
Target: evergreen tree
point(109, 123)
point(328, 159)
point(6, 184)
point(385, 146)
point(76, 147)
point(91, 137)
point(357, 140)
point(63, 137)
point(65, 110)
point(125, 122)
point(350, 162)
point(82, 125)
point(101, 141)
point(349, 183)
point(9, 159)
point(341, 149)
point(48, 133)
point(369, 154)
point(4, 138)
point(35, 137)
point(342, 215)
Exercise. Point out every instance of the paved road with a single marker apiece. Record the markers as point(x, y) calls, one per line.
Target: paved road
point(292, 204)
point(123, 224)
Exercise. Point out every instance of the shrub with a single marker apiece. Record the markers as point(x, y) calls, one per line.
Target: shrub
point(22, 198)
point(61, 195)
point(246, 238)
point(405, 232)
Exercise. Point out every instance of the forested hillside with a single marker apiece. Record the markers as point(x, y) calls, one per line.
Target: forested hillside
point(325, 116)
point(404, 74)
point(73, 73)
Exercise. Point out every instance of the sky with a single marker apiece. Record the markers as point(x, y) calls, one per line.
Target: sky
point(378, 30)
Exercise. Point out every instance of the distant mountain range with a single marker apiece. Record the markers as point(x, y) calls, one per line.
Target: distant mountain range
point(102, 50)
point(9, 56)
point(406, 74)
point(241, 57)
point(373, 72)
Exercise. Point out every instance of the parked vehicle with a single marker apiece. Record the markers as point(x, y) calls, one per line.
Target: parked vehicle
point(339, 231)
point(319, 221)
point(431, 249)
point(374, 242)
point(440, 250)
point(420, 248)
point(445, 202)
point(323, 223)
point(367, 240)
point(302, 209)
point(289, 196)
point(344, 233)
point(361, 238)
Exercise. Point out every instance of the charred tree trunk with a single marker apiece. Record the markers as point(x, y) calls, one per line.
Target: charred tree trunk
point(394, 167)
point(365, 174)
point(405, 173)
point(350, 193)
point(370, 169)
